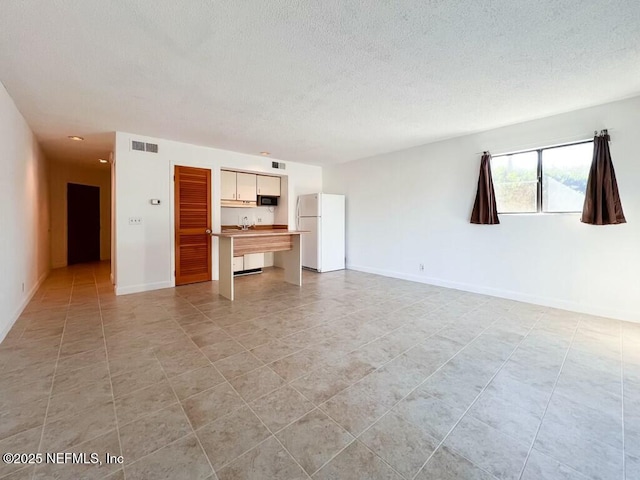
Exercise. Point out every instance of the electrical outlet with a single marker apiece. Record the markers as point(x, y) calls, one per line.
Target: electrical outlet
point(421, 267)
point(135, 220)
point(259, 220)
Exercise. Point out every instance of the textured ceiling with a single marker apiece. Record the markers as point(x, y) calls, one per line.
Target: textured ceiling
point(315, 82)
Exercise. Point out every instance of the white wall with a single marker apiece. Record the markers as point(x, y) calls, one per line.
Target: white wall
point(229, 215)
point(24, 214)
point(112, 212)
point(145, 253)
point(413, 206)
point(60, 174)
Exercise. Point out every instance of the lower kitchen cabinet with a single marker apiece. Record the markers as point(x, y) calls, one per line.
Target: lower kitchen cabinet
point(253, 260)
point(238, 264)
point(250, 261)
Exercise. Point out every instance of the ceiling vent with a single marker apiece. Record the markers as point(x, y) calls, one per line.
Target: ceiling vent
point(279, 165)
point(144, 147)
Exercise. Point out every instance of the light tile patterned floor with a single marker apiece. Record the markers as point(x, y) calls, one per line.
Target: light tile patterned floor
point(353, 376)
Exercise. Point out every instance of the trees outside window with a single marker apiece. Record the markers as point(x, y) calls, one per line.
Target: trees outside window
point(545, 180)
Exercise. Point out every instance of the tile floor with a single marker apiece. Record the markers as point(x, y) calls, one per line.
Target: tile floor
point(353, 376)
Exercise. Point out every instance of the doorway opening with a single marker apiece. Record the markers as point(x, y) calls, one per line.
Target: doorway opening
point(83, 223)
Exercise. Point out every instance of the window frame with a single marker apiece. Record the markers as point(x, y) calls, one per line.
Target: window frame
point(539, 188)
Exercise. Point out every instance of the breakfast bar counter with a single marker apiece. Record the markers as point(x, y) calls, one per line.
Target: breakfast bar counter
point(233, 243)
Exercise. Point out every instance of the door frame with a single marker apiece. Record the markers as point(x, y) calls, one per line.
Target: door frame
point(215, 219)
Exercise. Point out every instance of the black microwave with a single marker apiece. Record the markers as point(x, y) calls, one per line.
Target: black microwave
point(267, 201)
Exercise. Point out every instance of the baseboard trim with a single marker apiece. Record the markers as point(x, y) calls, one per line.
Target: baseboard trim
point(629, 316)
point(147, 287)
point(23, 305)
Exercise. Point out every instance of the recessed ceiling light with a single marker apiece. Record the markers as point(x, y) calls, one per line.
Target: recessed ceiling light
point(76, 138)
point(265, 154)
point(102, 160)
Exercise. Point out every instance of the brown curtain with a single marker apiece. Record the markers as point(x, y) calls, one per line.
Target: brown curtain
point(602, 204)
point(485, 211)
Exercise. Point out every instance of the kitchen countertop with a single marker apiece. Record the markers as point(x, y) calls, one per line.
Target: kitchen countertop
point(236, 243)
point(256, 233)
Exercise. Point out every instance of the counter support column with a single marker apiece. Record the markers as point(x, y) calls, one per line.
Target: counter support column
point(292, 260)
point(225, 282)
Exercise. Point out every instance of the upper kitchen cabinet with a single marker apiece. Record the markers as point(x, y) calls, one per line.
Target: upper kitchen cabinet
point(237, 186)
point(246, 187)
point(239, 189)
point(269, 186)
point(227, 185)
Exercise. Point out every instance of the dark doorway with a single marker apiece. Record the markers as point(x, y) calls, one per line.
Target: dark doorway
point(83, 223)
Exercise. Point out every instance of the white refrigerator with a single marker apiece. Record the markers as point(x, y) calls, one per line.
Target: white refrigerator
point(323, 216)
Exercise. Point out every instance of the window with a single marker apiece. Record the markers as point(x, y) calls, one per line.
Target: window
point(515, 180)
point(552, 179)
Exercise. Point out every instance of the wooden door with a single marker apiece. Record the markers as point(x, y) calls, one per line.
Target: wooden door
point(83, 223)
point(192, 221)
point(246, 186)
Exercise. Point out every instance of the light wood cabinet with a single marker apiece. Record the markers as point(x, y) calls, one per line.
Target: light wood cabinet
point(238, 264)
point(246, 187)
point(227, 185)
point(249, 261)
point(269, 186)
point(253, 260)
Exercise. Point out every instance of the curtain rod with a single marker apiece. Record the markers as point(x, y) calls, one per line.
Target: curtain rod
point(552, 143)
